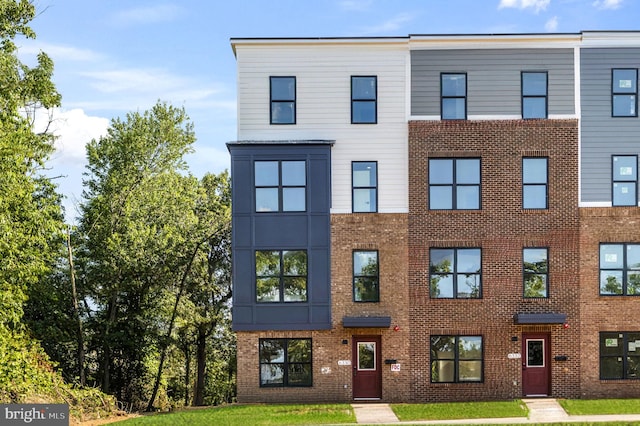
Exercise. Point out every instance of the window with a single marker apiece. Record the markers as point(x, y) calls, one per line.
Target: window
point(283, 100)
point(456, 359)
point(455, 273)
point(365, 276)
point(280, 186)
point(624, 92)
point(364, 95)
point(619, 269)
point(625, 180)
point(453, 91)
point(454, 184)
point(285, 362)
point(619, 355)
point(364, 176)
point(534, 183)
point(281, 276)
point(535, 272)
point(534, 95)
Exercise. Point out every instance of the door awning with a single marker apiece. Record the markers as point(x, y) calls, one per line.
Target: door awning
point(366, 322)
point(543, 318)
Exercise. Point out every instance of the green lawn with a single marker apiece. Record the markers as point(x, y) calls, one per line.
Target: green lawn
point(459, 410)
point(580, 407)
point(249, 415)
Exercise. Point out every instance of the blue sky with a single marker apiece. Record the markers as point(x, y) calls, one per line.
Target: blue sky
point(116, 56)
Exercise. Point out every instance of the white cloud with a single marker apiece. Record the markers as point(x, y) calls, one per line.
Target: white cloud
point(536, 5)
point(607, 4)
point(389, 26)
point(552, 24)
point(60, 52)
point(149, 15)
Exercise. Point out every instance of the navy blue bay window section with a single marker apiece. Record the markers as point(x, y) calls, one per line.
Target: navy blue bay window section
point(281, 276)
point(364, 177)
point(534, 94)
point(283, 100)
point(280, 186)
point(454, 184)
point(455, 273)
point(366, 277)
point(285, 362)
point(619, 269)
point(625, 180)
point(535, 183)
point(364, 99)
point(453, 94)
point(619, 355)
point(535, 272)
point(624, 92)
point(456, 359)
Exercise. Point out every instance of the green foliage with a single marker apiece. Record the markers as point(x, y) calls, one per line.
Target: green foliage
point(460, 410)
point(584, 407)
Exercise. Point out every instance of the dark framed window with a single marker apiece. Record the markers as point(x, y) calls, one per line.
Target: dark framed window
point(366, 276)
point(625, 180)
point(455, 273)
point(456, 359)
point(534, 94)
point(453, 96)
point(280, 186)
point(619, 355)
point(624, 92)
point(364, 178)
point(535, 272)
point(364, 99)
point(454, 184)
point(619, 269)
point(283, 100)
point(281, 276)
point(285, 363)
point(535, 178)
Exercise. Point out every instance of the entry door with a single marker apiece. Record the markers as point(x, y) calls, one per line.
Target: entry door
point(536, 369)
point(367, 372)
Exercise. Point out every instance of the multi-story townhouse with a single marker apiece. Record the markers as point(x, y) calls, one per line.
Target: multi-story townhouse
point(435, 218)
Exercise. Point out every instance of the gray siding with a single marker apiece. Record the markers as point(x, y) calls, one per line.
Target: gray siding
point(603, 135)
point(493, 79)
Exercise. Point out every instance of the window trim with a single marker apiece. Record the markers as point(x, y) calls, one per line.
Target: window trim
point(454, 273)
point(456, 359)
point(613, 181)
point(356, 100)
point(625, 354)
point(524, 274)
point(281, 277)
point(354, 187)
point(614, 93)
point(624, 269)
point(272, 101)
point(546, 95)
point(454, 185)
point(280, 187)
point(546, 184)
point(354, 276)
point(443, 97)
point(285, 363)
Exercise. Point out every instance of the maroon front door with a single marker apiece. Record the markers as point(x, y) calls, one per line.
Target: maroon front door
point(536, 377)
point(367, 372)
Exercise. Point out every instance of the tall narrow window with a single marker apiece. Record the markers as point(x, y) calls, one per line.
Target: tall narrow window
point(625, 180)
point(534, 183)
point(534, 95)
point(456, 359)
point(453, 91)
point(280, 186)
point(364, 176)
point(364, 99)
point(366, 278)
point(285, 362)
point(624, 92)
point(283, 100)
point(619, 269)
point(455, 273)
point(454, 184)
point(281, 276)
point(535, 272)
point(619, 355)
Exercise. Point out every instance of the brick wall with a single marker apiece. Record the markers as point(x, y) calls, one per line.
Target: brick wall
point(502, 229)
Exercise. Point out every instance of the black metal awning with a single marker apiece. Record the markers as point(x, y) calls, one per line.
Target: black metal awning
point(366, 322)
point(540, 318)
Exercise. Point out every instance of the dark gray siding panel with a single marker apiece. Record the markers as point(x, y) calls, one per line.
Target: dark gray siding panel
point(603, 135)
point(493, 79)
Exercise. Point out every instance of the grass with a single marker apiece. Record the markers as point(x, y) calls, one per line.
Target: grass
point(249, 415)
point(581, 407)
point(460, 410)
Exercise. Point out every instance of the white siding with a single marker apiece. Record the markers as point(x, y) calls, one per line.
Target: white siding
point(323, 109)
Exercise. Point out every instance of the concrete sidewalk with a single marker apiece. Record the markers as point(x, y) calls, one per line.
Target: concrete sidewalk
point(543, 410)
